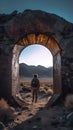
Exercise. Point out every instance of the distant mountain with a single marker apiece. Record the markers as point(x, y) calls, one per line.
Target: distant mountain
point(28, 71)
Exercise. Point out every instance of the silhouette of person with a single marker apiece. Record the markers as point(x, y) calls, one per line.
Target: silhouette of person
point(35, 85)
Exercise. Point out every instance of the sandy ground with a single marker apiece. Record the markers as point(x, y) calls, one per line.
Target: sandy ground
point(36, 116)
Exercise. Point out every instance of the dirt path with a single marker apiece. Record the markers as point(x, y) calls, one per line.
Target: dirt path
point(36, 116)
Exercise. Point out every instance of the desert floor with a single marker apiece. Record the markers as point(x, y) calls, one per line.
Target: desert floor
point(37, 116)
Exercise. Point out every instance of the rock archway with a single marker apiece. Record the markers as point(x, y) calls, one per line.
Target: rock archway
point(35, 27)
point(46, 41)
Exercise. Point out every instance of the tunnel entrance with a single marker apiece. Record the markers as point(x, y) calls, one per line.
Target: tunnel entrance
point(48, 42)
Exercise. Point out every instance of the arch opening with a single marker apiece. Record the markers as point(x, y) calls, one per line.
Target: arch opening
point(41, 39)
point(35, 59)
point(36, 55)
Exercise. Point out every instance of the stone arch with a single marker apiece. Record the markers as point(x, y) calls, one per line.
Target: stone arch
point(27, 28)
point(42, 39)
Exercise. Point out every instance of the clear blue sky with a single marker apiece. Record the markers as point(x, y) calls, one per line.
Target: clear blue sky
point(63, 8)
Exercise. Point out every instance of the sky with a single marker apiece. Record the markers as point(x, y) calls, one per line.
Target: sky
point(30, 57)
point(62, 8)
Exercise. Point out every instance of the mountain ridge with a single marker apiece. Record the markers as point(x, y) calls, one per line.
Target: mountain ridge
point(28, 70)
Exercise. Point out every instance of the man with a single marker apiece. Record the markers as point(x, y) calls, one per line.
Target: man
point(35, 84)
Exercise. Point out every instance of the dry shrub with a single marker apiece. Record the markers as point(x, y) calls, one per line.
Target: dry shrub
point(6, 112)
point(69, 101)
point(50, 91)
point(42, 90)
point(3, 104)
point(21, 84)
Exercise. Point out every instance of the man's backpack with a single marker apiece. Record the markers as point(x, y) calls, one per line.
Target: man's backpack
point(35, 83)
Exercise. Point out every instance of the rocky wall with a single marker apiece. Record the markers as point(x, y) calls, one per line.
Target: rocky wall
point(15, 26)
point(5, 74)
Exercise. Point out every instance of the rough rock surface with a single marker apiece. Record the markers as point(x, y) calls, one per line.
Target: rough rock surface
point(15, 26)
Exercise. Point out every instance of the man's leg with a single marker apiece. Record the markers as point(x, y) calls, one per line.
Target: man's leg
point(32, 95)
point(35, 96)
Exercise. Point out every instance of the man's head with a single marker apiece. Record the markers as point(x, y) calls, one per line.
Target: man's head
point(35, 75)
